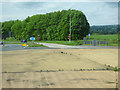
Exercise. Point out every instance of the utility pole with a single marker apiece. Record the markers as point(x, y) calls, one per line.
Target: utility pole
point(0, 34)
point(9, 35)
point(70, 29)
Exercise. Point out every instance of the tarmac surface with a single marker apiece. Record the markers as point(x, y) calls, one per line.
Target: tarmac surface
point(59, 68)
point(74, 66)
point(11, 47)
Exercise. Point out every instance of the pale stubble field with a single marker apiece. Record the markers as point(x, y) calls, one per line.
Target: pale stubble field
point(59, 68)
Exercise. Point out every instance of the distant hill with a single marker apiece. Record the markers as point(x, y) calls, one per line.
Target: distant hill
point(105, 29)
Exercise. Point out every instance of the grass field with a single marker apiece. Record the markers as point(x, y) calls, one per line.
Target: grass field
point(63, 68)
point(111, 39)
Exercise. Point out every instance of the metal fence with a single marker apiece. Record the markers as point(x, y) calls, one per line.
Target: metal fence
point(95, 43)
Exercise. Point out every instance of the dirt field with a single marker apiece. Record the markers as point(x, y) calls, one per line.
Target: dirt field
point(59, 68)
point(63, 79)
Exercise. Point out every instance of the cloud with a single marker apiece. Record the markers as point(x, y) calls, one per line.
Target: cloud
point(60, 0)
point(97, 13)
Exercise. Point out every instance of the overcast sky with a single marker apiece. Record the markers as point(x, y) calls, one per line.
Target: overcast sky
point(97, 13)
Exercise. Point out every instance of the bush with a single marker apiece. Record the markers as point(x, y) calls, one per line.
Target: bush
point(79, 42)
point(11, 39)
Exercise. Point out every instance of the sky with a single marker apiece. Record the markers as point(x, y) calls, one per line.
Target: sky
point(97, 13)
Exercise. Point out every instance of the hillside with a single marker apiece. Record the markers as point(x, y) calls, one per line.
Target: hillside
point(105, 29)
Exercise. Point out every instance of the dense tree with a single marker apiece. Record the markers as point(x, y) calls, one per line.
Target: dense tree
point(106, 29)
point(17, 30)
point(6, 28)
point(49, 26)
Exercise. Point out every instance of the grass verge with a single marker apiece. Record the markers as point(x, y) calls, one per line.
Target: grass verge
point(36, 45)
point(64, 42)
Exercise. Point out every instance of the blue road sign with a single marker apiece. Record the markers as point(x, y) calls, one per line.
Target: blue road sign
point(32, 38)
point(89, 34)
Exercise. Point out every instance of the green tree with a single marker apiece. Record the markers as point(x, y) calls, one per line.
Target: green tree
point(16, 30)
point(50, 26)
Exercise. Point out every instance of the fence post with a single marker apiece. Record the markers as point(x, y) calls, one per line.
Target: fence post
point(90, 43)
point(105, 43)
point(83, 43)
point(99, 43)
point(96, 43)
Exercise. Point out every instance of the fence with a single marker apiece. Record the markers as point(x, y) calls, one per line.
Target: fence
point(95, 43)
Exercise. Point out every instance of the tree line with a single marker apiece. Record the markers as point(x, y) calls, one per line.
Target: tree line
point(105, 29)
point(49, 26)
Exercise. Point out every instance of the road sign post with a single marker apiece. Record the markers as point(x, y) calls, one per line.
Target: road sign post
point(38, 38)
point(89, 35)
point(69, 38)
point(32, 38)
point(70, 30)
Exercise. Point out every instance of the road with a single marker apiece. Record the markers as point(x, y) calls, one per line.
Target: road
point(60, 46)
point(10, 47)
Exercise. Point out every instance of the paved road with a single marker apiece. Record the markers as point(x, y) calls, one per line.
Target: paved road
point(11, 47)
point(51, 45)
